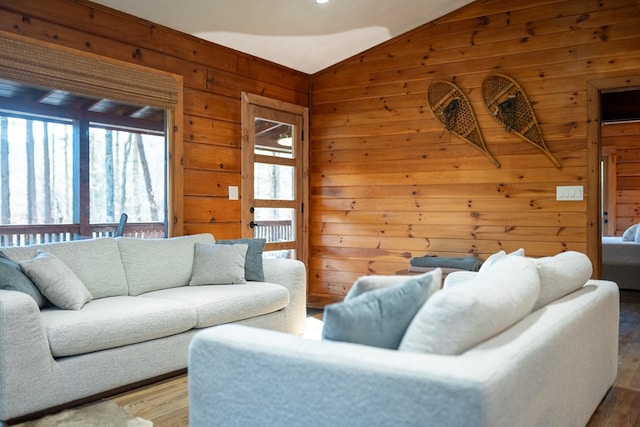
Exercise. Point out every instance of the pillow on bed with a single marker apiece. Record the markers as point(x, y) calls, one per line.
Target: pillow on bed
point(630, 234)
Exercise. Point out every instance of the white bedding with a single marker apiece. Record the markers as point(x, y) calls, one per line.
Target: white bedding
point(621, 262)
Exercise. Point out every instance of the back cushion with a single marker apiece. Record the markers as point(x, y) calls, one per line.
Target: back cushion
point(459, 317)
point(561, 274)
point(154, 264)
point(96, 262)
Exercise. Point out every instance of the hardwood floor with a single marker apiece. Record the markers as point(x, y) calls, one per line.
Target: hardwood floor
point(166, 402)
point(621, 406)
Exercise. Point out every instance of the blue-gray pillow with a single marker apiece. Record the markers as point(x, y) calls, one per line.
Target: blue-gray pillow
point(253, 269)
point(13, 279)
point(380, 317)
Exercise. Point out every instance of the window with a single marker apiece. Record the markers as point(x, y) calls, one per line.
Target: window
point(80, 165)
point(89, 92)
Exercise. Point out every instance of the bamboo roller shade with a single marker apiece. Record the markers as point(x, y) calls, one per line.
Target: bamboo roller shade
point(52, 67)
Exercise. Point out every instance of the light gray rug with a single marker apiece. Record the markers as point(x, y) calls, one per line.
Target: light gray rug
point(101, 414)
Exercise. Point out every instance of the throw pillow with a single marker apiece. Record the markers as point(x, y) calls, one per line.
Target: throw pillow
point(379, 317)
point(13, 279)
point(253, 269)
point(629, 234)
point(561, 274)
point(372, 282)
point(462, 316)
point(218, 264)
point(492, 259)
point(457, 277)
point(56, 281)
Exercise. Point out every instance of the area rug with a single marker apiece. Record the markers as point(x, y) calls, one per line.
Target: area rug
point(101, 414)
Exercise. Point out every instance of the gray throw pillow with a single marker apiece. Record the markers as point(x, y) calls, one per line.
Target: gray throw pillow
point(218, 264)
point(13, 279)
point(56, 281)
point(253, 269)
point(380, 317)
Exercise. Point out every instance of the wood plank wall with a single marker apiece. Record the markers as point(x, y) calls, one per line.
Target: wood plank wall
point(388, 184)
point(214, 78)
point(624, 138)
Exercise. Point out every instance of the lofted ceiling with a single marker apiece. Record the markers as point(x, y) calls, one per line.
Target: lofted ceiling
point(300, 34)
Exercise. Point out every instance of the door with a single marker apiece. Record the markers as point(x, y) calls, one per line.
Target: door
point(275, 176)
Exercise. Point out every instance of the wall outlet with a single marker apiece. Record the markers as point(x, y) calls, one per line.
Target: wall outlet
point(569, 192)
point(233, 192)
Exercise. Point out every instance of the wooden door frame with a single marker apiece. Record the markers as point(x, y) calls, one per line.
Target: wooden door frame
point(248, 157)
point(594, 148)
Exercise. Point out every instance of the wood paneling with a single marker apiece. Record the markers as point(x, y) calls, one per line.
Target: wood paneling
point(214, 77)
point(624, 140)
point(387, 183)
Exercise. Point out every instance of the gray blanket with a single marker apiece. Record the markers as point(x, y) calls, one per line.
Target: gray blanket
point(471, 263)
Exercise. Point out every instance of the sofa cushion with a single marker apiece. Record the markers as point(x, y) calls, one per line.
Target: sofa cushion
point(113, 322)
point(12, 278)
point(380, 317)
point(492, 259)
point(56, 281)
point(629, 234)
point(96, 262)
point(253, 268)
point(561, 274)
point(460, 317)
point(153, 264)
point(217, 304)
point(372, 282)
point(218, 264)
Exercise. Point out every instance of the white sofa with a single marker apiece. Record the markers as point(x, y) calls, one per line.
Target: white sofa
point(551, 368)
point(138, 324)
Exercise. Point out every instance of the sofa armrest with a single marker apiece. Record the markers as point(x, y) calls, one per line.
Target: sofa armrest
point(291, 274)
point(27, 367)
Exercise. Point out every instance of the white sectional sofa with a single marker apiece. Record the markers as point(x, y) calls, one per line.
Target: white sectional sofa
point(550, 368)
point(138, 323)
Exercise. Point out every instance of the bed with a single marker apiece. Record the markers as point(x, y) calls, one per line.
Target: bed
point(621, 262)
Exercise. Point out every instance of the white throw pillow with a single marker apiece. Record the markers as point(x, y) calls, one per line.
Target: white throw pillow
point(630, 234)
point(218, 264)
point(374, 281)
point(459, 317)
point(457, 277)
point(492, 259)
point(561, 274)
point(56, 281)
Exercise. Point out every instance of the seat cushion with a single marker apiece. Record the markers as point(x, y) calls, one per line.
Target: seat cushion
point(113, 322)
point(217, 304)
point(154, 264)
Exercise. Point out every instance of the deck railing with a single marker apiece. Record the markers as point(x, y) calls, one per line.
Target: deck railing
point(274, 230)
point(22, 235)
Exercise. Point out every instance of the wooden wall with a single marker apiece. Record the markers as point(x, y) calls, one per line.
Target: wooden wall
point(214, 78)
point(624, 139)
point(387, 184)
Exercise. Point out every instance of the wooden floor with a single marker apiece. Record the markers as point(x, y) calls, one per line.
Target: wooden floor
point(166, 403)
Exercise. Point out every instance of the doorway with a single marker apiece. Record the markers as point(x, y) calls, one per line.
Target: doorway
point(275, 175)
point(595, 89)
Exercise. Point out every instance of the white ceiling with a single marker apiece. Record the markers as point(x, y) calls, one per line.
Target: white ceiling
point(299, 34)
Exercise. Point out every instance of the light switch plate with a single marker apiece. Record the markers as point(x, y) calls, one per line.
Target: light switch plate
point(569, 192)
point(233, 192)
